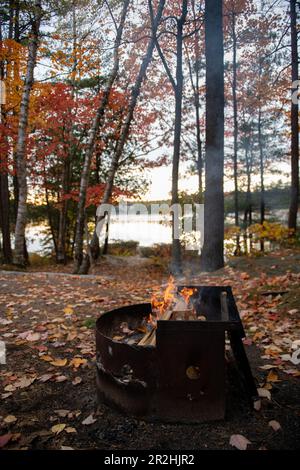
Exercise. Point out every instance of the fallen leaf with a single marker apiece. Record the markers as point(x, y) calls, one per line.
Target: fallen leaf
point(295, 359)
point(239, 441)
point(69, 429)
point(68, 310)
point(77, 381)
point(274, 425)
point(33, 337)
point(89, 420)
point(5, 322)
point(266, 367)
point(285, 357)
point(46, 358)
point(24, 382)
point(71, 336)
point(59, 362)
point(4, 439)
point(293, 372)
point(45, 378)
point(272, 377)
point(77, 362)
point(15, 437)
point(262, 392)
point(10, 419)
point(66, 448)
point(58, 428)
point(61, 378)
point(62, 413)
point(257, 405)
point(244, 276)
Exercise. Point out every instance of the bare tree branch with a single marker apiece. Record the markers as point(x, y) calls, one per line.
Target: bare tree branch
point(160, 53)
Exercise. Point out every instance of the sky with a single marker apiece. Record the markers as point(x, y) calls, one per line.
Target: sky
point(161, 179)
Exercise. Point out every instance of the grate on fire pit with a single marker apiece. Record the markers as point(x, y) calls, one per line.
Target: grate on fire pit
point(182, 377)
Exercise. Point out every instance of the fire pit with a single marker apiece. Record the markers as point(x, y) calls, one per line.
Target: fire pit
point(179, 377)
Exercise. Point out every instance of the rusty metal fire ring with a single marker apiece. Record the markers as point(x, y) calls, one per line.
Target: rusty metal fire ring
point(182, 378)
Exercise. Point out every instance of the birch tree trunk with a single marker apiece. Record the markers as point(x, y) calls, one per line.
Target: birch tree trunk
point(94, 244)
point(19, 257)
point(97, 124)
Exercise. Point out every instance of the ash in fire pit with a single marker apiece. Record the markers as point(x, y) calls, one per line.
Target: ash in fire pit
point(166, 361)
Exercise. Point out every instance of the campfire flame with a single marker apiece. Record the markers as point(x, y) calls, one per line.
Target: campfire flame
point(187, 293)
point(170, 298)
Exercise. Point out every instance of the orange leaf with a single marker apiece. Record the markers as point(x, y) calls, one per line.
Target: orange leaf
point(59, 362)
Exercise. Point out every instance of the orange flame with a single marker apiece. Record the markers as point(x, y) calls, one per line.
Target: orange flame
point(187, 293)
point(160, 306)
point(170, 296)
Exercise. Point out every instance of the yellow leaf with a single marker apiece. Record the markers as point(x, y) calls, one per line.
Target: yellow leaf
point(58, 428)
point(77, 362)
point(68, 310)
point(47, 358)
point(59, 362)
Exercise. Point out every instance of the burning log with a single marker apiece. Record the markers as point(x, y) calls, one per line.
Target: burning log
point(182, 312)
point(150, 337)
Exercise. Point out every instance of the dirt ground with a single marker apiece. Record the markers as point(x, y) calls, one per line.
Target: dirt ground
point(47, 386)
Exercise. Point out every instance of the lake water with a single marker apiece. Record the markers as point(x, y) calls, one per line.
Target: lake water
point(147, 231)
point(137, 228)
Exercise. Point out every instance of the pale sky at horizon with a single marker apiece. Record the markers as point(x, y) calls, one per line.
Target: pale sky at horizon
point(160, 185)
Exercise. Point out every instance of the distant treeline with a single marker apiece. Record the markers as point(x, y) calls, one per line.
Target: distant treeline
point(276, 198)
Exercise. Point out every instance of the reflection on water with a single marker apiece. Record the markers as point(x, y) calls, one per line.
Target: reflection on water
point(141, 229)
point(147, 231)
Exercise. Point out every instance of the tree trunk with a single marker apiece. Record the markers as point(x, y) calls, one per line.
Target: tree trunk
point(61, 255)
point(16, 32)
point(294, 202)
point(105, 247)
point(19, 257)
point(197, 107)
point(176, 267)
point(248, 204)
point(4, 218)
point(50, 219)
point(4, 189)
point(261, 171)
point(94, 244)
point(63, 212)
point(235, 122)
point(97, 124)
point(213, 248)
